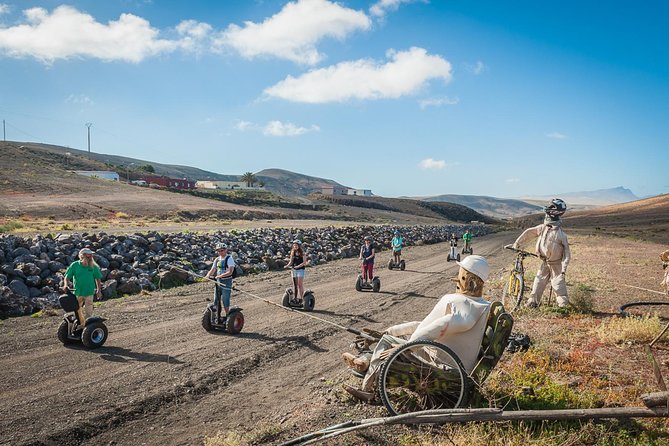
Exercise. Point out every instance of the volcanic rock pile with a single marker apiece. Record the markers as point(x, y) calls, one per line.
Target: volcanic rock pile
point(31, 269)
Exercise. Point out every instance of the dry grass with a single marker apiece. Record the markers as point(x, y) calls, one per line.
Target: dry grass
point(630, 330)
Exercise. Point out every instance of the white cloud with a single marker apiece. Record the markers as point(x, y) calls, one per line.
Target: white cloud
point(68, 33)
point(479, 68)
point(437, 102)
point(429, 163)
point(293, 32)
point(380, 8)
point(243, 126)
point(404, 74)
point(4, 8)
point(512, 180)
point(278, 128)
point(556, 135)
point(80, 99)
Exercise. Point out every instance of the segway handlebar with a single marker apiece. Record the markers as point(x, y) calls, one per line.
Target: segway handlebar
point(520, 251)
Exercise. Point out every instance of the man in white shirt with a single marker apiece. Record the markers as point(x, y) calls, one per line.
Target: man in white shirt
point(553, 248)
point(458, 321)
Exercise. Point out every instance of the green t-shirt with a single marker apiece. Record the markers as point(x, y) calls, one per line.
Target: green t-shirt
point(83, 278)
point(467, 237)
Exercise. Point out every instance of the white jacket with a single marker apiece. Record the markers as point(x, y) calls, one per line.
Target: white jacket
point(552, 245)
point(456, 321)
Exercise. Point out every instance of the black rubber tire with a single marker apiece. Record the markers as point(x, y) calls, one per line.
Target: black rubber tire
point(471, 251)
point(308, 301)
point(358, 283)
point(402, 265)
point(513, 292)
point(234, 323)
point(286, 299)
point(206, 320)
point(458, 257)
point(376, 285)
point(391, 264)
point(457, 396)
point(94, 335)
point(63, 334)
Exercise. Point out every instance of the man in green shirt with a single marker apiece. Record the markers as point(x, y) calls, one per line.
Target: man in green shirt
point(467, 237)
point(85, 275)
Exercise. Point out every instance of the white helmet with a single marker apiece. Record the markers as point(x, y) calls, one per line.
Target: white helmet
point(476, 265)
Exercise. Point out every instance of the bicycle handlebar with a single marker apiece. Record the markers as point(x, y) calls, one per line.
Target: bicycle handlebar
point(520, 251)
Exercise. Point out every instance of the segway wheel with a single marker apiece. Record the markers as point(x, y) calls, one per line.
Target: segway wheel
point(471, 250)
point(234, 323)
point(358, 283)
point(206, 320)
point(376, 285)
point(390, 264)
point(94, 335)
point(309, 301)
point(286, 299)
point(402, 265)
point(458, 257)
point(63, 333)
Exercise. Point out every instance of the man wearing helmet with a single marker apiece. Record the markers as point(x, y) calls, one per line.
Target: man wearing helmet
point(458, 321)
point(553, 249)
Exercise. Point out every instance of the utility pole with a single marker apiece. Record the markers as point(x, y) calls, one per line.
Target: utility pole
point(89, 124)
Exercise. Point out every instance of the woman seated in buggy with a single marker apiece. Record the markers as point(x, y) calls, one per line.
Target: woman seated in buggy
point(434, 363)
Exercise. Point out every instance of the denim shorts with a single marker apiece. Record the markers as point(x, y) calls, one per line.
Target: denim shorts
point(298, 273)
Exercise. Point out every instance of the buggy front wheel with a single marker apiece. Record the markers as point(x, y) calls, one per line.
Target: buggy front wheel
point(423, 375)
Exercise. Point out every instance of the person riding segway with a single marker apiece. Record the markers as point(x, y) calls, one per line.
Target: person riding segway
point(467, 238)
point(453, 253)
point(396, 246)
point(79, 324)
point(367, 280)
point(297, 297)
point(223, 270)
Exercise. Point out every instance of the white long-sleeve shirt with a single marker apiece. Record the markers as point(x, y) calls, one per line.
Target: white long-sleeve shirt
point(456, 321)
point(552, 244)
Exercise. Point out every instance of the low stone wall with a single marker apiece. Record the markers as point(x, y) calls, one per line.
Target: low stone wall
point(31, 269)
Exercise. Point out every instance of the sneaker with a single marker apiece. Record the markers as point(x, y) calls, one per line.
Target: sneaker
point(359, 394)
point(356, 363)
point(531, 304)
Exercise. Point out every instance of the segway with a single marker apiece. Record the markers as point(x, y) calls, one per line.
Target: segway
point(374, 285)
point(290, 299)
point(93, 335)
point(213, 321)
point(468, 249)
point(453, 254)
point(396, 265)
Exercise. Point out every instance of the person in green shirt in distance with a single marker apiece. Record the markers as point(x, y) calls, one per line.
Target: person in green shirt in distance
point(85, 275)
point(467, 237)
point(396, 245)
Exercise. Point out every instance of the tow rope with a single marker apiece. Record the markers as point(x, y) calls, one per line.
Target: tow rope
point(341, 327)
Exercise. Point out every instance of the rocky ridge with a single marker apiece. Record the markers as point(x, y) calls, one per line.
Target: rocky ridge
point(31, 269)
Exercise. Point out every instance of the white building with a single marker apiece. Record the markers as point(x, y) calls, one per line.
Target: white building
point(360, 192)
point(226, 185)
point(102, 174)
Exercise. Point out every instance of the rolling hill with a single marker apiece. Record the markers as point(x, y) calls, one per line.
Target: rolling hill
point(284, 182)
point(491, 206)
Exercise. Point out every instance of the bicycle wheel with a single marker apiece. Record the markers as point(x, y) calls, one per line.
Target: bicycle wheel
point(423, 375)
point(512, 295)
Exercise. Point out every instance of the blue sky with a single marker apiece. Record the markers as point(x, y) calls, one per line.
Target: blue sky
point(402, 97)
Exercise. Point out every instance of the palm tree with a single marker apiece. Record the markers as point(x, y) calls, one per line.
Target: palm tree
point(249, 178)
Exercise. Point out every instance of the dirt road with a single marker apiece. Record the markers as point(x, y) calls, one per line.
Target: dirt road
point(161, 379)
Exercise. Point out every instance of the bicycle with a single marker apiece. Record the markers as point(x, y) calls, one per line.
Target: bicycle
point(513, 292)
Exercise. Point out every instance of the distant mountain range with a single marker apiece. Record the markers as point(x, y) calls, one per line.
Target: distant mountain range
point(601, 197)
point(494, 207)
